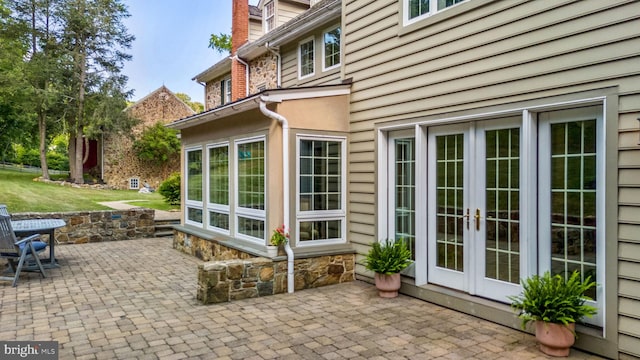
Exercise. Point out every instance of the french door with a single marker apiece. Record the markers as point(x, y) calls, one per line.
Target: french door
point(474, 207)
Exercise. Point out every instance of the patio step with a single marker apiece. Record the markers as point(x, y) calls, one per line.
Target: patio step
point(164, 228)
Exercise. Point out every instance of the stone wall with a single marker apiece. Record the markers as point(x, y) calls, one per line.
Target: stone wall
point(263, 72)
point(234, 274)
point(212, 91)
point(97, 226)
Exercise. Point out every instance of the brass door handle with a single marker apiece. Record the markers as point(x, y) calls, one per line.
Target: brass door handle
point(477, 217)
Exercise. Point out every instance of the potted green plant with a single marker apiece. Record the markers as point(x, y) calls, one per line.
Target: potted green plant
point(279, 237)
point(387, 258)
point(555, 305)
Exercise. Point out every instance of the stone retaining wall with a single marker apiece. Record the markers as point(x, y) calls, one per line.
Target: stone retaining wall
point(234, 274)
point(97, 226)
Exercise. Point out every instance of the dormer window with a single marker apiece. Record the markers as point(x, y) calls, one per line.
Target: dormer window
point(269, 16)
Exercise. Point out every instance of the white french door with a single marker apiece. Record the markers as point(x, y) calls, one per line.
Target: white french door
point(474, 207)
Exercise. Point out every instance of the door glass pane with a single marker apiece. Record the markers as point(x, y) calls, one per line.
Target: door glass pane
point(502, 205)
point(573, 207)
point(449, 196)
point(405, 192)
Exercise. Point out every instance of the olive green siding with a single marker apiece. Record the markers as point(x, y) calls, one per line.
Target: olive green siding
point(492, 54)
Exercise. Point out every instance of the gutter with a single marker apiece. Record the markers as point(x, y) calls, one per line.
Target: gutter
point(285, 183)
point(246, 73)
point(276, 52)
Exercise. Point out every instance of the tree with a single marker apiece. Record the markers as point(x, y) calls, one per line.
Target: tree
point(198, 107)
point(220, 43)
point(95, 39)
point(157, 144)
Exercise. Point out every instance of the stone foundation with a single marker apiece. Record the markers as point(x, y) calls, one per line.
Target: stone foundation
point(235, 275)
point(97, 226)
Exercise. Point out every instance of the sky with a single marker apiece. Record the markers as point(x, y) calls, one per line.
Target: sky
point(171, 46)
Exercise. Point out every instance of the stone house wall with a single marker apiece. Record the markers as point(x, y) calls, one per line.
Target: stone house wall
point(120, 161)
point(98, 226)
point(263, 72)
point(212, 91)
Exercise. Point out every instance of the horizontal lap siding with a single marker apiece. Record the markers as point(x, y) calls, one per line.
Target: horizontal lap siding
point(499, 53)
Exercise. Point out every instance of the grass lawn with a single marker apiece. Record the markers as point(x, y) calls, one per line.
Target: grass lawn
point(21, 194)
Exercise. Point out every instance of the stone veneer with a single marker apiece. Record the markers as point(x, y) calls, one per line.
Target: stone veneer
point(263, 71)
point(212, 90)
point(233, 274)
point(98, 226)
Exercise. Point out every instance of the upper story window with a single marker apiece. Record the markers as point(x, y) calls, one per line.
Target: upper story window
point(418, 9)
point(306, 58)
point(269, 16)
point(331, 49)
point(225, 91)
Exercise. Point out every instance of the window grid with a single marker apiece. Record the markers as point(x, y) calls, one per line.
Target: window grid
point(332, 48)
point(419, 8)
point(320, 178)
point(449, 199)
point(502, 197)
point(573, 199)
point(219, 186)
point(194, 175)
point(270, 19)
point(405, 192)
point(306, 58)
point(251, 175)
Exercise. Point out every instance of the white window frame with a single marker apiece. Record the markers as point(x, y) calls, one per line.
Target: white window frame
point(219, 208)
point(134, 183)
point(324, 46)
point(323, 215)
point(246, 212)
point(226, 91)
point(313, 72)
point(433, 9)
point(198, 205)
point(269, 17)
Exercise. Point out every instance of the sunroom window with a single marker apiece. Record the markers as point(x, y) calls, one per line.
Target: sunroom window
point(250, 191)
point(218, 205)
point(321, 183)
point(193, 201)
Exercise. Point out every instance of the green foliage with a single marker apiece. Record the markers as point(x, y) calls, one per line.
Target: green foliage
point(280, 236)
point(157, 144)
point(170, 189)
point(27, 156)
point(554, 299)
point(196, 106)
point(388, 257)
point(57, 161)
point(220, 43)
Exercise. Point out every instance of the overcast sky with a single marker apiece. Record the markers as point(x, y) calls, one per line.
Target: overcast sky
point(171, 45)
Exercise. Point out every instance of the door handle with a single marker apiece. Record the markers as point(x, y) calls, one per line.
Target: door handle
point(477, 217)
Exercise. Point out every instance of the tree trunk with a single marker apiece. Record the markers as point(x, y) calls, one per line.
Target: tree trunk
point(72, 156)
point(42, 129)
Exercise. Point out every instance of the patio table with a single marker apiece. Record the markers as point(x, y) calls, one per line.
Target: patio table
point(40, 226)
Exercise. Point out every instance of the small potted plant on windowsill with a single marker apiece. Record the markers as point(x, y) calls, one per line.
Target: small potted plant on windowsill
point(387, 259)
point(279, 237)
point(555, 305)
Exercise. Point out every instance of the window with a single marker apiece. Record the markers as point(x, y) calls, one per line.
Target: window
point(269, 17)
point(134, 183)
point(402, 197)
point(321, 188)
point(419, 9)
point(193, 186)
point(225, 91)
point(218, 205)
point(250, 189)
point(331, 49)
point(306, 58)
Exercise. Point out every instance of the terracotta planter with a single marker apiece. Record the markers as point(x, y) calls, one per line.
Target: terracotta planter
point(555, 339)
point(388, 285)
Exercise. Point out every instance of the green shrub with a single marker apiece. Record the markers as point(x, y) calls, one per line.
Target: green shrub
point(388, 257)
point(552, 299)
point(170, 189)
point(57, 161)
point(157, 144)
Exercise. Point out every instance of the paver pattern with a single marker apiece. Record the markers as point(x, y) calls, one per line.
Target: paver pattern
point(136, 300)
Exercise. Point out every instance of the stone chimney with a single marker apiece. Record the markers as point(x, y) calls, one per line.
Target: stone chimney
point(239, 36)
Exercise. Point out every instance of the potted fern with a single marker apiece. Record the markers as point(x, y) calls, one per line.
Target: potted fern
point(555, 305)
point(387, 259)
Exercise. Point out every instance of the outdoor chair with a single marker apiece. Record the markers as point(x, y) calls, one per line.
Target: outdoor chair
point(3, 210)
point(22, 250)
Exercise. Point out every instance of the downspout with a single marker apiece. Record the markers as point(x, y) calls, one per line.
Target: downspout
point(278, 64)
point(246, 74)
point(285, 183)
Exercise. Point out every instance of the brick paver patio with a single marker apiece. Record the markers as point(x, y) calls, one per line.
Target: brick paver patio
point(136, 299)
